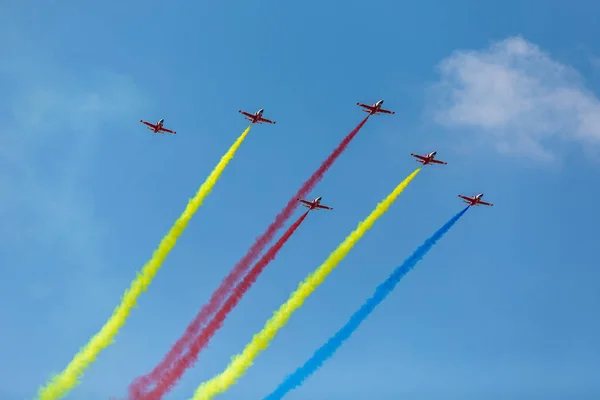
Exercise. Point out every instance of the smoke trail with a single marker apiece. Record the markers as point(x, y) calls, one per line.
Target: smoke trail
point(69, 377)
point(141, 384)
point(241, 362)
point(383, 290)
point(169, 380)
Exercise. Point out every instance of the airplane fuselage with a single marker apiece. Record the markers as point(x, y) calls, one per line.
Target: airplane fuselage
point(159, 125)
point(476, 199)
point(377, 107)
point(257, 116)
point(428, 158)
point(315, 203)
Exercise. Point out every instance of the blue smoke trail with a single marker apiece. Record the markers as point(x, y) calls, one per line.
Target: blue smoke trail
point(328, 349)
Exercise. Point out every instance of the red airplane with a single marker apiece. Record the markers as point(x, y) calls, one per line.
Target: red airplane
point(375, 108)
point(314, 205)
point(474, 200)
point(256, 118)
point(158, 127)
point(428, 159)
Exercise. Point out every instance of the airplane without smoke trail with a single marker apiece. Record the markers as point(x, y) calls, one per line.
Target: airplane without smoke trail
point(428, 159)
point(375, 108)
point(474, 200)
point(314, 205)
point(158, 127)
point(257, 117)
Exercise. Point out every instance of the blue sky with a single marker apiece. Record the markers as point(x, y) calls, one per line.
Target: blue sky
point(503, 307)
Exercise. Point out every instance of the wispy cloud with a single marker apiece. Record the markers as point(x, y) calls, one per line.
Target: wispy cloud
point(52, 116)
point(595, 61)
point(517, 97)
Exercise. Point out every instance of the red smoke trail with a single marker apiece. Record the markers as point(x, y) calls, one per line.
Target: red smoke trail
point(141, 384)
point(169, 378)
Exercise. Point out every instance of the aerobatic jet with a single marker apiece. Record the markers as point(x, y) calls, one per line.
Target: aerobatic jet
point(375, 108)
point(314, 205)
point(158, 127)
point(428, 158)
point(474, 200)
point(257, 117)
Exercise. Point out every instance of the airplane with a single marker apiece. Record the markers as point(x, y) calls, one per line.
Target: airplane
point(256, 118)
point(314, 205)
point(428, 159)
point(474, 200)
point(375, 108)
point(158, 127)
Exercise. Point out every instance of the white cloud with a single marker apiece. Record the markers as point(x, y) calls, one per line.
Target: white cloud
point(519, 98)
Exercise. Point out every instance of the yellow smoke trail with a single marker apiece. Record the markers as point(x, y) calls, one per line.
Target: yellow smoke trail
point(60, 384)
point(241, 362)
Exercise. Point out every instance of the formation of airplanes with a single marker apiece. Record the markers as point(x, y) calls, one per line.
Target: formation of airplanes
point(373, 109)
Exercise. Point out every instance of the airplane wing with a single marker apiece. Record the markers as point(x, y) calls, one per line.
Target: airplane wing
point(370, 108)
point(246, 114)
point(304, 202)
point(381, 110)
point(323, 207)
point(268, 121)
point(483, 203)
point(418, 156)
point(168, 130)
point(465, 197)
point(438, 161)
point(148, 123)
